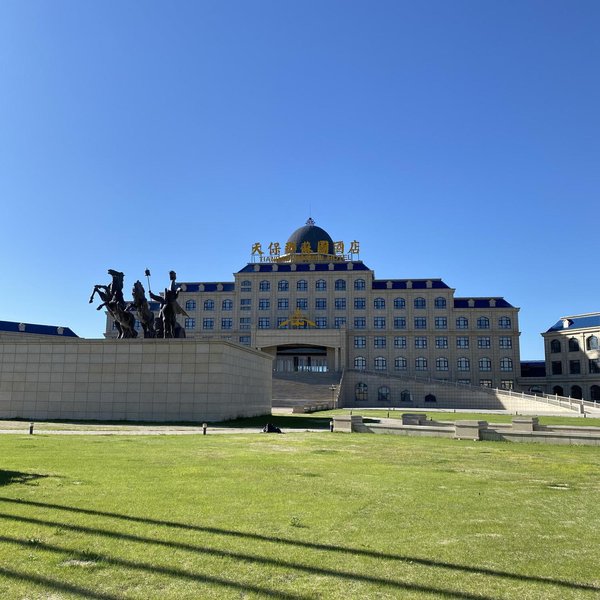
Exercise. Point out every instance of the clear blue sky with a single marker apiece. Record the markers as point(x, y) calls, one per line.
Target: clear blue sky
point(453, 139)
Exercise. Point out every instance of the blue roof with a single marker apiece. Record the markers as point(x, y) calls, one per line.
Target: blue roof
point(402, 284)
point(578, 322)
point(14, 327)
point(209, 286)
point(300, 267)
point(482, 303)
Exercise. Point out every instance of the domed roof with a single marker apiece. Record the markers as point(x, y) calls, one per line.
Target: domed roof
point(313, 235)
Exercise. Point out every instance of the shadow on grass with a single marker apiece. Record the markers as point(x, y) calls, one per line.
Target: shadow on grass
point(9, 477)
point(284, 541)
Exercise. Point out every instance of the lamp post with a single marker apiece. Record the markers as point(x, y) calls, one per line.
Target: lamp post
point(333, 388)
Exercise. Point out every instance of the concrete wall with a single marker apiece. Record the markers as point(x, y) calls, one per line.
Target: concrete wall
point(138, 380)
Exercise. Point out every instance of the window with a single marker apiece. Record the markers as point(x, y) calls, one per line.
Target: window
point(340, 285)
point(283, 304)
point(506, 364)
point(595, 393)
point(487, 383)
point(361, 392)
point(441, 342)
point(430, 398)
point(245, 340)
point(226, 323)
point(462, 342)
point(400, 363)
point(462, 323)
point(574, 367)
point(485, 364)
point(340, 304)
point(339, 322)
point(137, 324)
point(302, 285)
point(209, 305)
point(441, 323)
point(360, 362)
point(573, 345)
point(360, 341)
point(245, 304)
point(302, 303)
point(421, 342)
point(379, 303)
point(264, 304)
point(405, 396)
point(440, 302)
point(420, 323)
point(264, 323)
point(576, 392)
point(399, 341)
point(321, 303)
point(360, 323)
point(484, 342)
point(441, 364)
point(464, 381)
point(359, 284)
point(264, 286)
point(245, 323)
point(379, 341)
point(227, 305)
point(507, 384)
point(380, 363)
point(555, 346)
point(557, 389)
point(399, 303)
point(420, 303)
point(246, 286)
point(281, 321)
point(483, 323)
point(321, 322)
point(190, 305)
point(399, 322)
point(505, 342)
point(190, 323)
point(421, 364)
point(208, 323)
point(557, 367)
point(320, 285)
point(383, 394)
point(594, 365)
point(504, 323)
point(360, 303)
point(379, 322)
point(463, 364)
point(283, 285)
point(592, 343)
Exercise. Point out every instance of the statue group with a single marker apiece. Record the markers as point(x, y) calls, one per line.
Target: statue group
point(164, 325)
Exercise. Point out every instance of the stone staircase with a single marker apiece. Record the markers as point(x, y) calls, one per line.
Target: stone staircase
point(297, 389)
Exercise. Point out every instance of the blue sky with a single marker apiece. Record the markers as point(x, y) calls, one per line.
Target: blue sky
point(457, 139)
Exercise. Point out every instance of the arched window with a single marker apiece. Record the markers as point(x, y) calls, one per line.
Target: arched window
point(592, 343)
point(246, 286)
point(189, 323)
point(595, 393)
point(209, 305)
point(555, 346)
point(264, 285)
point(504, 323)
point(340, 285)
point(420, 302)
point(380, 363)
point(573, 345)
point(379, 303)
point(227, 305)
point(421, 364)
point(283, 285)
point(399, 303)
point(483, 323)
point(430, 398)
point(302, 285)
point(400, 363)
point(440, 302)
point(361, 391)
point(190, 305)
point(463, 364)
point(462, 323)
point(441, 363)
point(359, 284)
point(320, 285)
point(485, 364)
point(557, 389)
point(405, 396)
point(360, 362)
point(576, 392)
point(506, 364)
point(383, 394)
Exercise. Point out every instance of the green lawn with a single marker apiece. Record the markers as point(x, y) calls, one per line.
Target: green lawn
point(296, 516)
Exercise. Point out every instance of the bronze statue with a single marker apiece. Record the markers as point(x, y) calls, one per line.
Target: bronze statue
point(112, 298)
point(140, 305)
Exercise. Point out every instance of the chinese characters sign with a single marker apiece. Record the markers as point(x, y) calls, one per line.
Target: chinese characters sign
point(272, 252)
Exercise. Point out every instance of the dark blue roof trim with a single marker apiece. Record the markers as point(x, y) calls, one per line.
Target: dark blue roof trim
point(13, 327)
point(578, 322)
point(301, 267)
point(209, 287)
point(482, 303)
point(402, 284)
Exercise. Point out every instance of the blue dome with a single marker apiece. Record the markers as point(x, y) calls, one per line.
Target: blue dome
point(313, 235)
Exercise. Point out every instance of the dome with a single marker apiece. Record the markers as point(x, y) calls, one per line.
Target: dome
point(313, 235)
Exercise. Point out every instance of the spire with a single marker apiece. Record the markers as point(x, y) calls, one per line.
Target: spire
point(310, 221)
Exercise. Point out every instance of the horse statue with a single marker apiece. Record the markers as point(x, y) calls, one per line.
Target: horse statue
point(112, 299)
point(140, 305)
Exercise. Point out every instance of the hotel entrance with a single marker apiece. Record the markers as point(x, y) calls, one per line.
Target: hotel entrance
point(301, 359)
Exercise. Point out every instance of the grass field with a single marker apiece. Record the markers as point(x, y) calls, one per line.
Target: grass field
point(296, 516)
